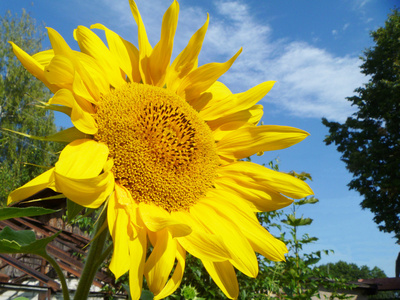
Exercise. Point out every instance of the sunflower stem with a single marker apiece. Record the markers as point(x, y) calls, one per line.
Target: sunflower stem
point(60, 274)
point(93, 262)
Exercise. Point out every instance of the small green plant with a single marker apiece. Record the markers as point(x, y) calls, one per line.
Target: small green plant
point(296, 278)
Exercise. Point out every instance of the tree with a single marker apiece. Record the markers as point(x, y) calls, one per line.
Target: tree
point(369, 140)
point(19, 93)
point(351, 272)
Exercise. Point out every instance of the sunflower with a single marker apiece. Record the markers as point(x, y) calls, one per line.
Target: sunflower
point(162, 145)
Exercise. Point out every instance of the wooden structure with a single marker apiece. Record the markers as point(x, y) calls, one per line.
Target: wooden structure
point(67, 248)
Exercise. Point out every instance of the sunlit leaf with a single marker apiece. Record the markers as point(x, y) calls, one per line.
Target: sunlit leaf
point(23, 241)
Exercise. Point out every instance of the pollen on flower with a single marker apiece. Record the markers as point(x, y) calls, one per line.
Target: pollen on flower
point(163, 152)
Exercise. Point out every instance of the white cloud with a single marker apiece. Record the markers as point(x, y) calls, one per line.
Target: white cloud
point(314, 83)
point(311, 82)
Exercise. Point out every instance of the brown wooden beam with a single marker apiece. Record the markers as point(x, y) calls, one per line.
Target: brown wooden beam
point(32, 272)
point(383, 284)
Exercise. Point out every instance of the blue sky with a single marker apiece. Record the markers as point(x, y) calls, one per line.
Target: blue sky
point(311, 48)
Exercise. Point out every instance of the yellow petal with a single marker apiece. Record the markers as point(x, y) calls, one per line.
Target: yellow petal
point(259, 196)
point(82, 95)
point(112, 212)
point(124, 52)
point(34, 67)
point(77, 173)
point(243, 256)
point(44, 57)
point(200, 243)
point(249, 140)
point(145, 48)
point(80, 118)
point(37, 184)
point(235, 209)
point(176, 277)
point(124, 202)
point(124, 197)
point(217, 92)
point(223, 126)
point(88, 192)
point(202, 78)
point(277, 181)
point(58, 43)
point(118, 226)
point(160, 262)
point(220, 107)
point(60, 71)
point(137, 250)
point(155, 218)
point(205, 246)
point(224, 276)
point(82, 159)
point(161, 55)
point(186, 61)
point(92, 45)
point(88, 66)
point(61, 48)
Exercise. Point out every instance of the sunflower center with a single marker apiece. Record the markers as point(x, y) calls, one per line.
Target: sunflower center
point(163, 152)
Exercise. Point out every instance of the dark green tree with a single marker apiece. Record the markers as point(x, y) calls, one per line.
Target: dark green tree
point(369, 140)
point(351, 272)
point(19, 93)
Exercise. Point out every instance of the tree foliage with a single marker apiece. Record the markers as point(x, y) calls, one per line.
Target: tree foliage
point(351, 272)
point(369, 140)
point(19, 93)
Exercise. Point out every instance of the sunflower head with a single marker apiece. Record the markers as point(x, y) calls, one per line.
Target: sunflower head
point(162, 144)
point(163, 152)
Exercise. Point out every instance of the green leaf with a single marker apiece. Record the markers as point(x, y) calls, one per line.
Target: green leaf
point(23, 241)
point(293, 221)
point(65, 136)
point(308, 240)
point(18, 212)
point(73, 209)
point(146, 295)
point(312, 261)
point(311, 200)
point(127, 290)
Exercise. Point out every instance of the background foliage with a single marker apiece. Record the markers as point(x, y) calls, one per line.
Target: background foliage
point(350, 271)
point(19, 93)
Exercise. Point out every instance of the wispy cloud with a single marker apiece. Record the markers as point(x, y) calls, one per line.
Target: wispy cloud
point(311, 82)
